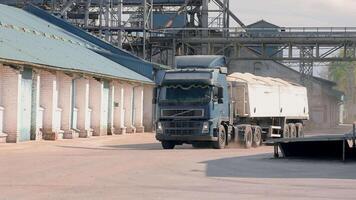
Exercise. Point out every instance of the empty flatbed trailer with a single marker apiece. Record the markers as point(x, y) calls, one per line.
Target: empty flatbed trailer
point(342, 146)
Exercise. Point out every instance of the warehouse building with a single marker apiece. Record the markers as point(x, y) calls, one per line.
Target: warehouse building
point(56, 82)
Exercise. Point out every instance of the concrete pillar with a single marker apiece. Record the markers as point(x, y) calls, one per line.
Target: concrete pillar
point(49, 101)
point(82, 105)
point(10, 100)
point(111, 129)
point(128, 106)
point(119, 110)
point(65, 100)
point(2, 134)
point(95, 103)
point(36, 133)
point(138, 109)
point(148, 107)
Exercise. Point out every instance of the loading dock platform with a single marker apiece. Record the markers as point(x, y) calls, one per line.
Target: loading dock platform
point(342, 146)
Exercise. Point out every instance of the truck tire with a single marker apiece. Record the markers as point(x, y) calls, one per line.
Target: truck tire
point(168, 144)
point(257, 136)
point(248, 137)
point(221, 142)
point(292, 130)
point(286, 131)
point(300, 131)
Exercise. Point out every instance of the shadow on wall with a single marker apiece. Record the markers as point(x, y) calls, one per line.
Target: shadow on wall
point(265, 166)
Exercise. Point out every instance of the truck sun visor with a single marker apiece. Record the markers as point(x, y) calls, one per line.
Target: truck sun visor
point(187, 76)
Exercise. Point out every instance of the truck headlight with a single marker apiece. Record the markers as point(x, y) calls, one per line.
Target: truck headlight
point(205, 127)
point(159, 127)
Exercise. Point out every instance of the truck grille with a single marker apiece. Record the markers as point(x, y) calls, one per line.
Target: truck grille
point(182, 127)
point(182, 112)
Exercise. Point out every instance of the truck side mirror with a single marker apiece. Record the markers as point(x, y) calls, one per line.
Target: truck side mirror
point(218, 94)
point(154, 99)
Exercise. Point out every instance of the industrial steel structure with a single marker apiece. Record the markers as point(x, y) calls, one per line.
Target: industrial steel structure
point(157, 30)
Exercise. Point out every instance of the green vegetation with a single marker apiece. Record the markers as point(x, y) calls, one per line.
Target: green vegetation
point(344, 74)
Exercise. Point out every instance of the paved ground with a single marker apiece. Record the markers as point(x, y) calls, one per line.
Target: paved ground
point(135, 167)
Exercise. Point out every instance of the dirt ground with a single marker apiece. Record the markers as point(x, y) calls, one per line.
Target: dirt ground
point(135, 167)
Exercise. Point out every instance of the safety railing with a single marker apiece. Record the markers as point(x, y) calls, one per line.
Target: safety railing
point(257, 32)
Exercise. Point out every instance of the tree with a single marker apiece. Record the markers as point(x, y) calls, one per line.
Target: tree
point(344, 74)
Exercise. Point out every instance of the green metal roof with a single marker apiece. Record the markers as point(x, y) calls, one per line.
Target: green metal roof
point(25, 37)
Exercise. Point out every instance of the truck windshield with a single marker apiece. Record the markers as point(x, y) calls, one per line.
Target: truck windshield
point(185, 94)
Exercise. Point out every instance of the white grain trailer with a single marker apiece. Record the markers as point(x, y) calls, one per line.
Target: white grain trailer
point(265, 107)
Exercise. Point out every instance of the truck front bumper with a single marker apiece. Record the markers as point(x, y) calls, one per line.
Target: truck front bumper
point(185, 138)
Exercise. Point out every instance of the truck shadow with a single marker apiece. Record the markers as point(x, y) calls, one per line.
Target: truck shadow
point(147, 146)
point(265, 166)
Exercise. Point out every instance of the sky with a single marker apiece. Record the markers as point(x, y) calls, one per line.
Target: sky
point(326, 13)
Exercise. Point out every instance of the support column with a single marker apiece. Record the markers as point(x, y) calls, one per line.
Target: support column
point(11, 101)
point(65, 99)
point(49, 101)
point(128, 105)
point(82, 107)
point(111, 129)
point(119, 20)
point(2, 134)
point(148, 107)
point(306, 66)
point(205, 24)
point(36, 133)
point(119, 110)
point(95, 103)
point(138, 109)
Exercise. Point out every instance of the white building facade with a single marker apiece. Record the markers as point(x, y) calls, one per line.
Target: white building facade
point(37, 103)
point(57, 85)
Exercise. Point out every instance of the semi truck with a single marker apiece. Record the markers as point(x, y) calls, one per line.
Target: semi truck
point(198, 103)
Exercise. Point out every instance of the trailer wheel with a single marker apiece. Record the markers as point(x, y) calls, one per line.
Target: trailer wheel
point(286, 131)
point(168, 144)
point(221, 142)
point(257, 137)
point(300, 131)
point(248, 137)
point(292, 130)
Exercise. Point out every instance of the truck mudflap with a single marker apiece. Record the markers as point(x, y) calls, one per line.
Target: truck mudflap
point(186, 138)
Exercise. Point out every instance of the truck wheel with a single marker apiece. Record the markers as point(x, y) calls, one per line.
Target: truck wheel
point(257, 137)
point(168, 144)
point(221, 142)
point(292, 130)
point(248, 137)
point(300, 131)
point(286, 131)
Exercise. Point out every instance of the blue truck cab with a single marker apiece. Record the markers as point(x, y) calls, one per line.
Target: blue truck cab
point(192, 102)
